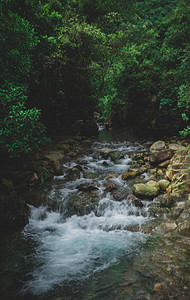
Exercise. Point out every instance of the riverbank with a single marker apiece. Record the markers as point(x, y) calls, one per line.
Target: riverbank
point(110, 224)
point(167, 163)
point(22, 179)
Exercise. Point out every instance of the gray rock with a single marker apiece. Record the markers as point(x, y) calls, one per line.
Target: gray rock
point(86, 187)
point(176, 147)
point(157, 146)
point(110, 186)
point(73, 174)
point(167, 227)
point(158, 157)
point(119, 195)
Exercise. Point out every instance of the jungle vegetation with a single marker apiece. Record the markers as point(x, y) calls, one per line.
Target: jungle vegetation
point(63, 60)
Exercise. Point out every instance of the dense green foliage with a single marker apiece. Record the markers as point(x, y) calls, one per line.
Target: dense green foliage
point(20, 128)
point(63, 60)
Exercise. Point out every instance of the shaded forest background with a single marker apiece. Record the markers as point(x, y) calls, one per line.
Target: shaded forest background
point(63, 60)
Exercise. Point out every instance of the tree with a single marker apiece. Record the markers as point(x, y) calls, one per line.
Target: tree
point(20, 128)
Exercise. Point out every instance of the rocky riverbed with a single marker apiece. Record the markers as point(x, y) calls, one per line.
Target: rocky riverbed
point(22, 179)
point(113, 214)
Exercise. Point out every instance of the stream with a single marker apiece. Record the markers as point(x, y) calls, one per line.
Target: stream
point(91, 246)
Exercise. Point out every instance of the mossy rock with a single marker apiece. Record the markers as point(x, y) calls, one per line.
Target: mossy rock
point(148, 190)
point(157, 146)
point(132, 173)
point(163, 184)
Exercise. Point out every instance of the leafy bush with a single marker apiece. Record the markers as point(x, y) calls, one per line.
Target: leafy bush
point(20, 128)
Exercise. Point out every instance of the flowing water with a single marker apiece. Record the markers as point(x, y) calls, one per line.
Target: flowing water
point(69, 253)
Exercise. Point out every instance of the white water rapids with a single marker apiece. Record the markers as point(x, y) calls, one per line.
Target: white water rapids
point(76, 247)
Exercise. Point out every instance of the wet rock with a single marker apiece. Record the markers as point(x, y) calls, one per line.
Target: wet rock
point(131, 196)
point(165, 228)
point(157, 146)
point(148, 190)
point(82, 204)
point(79, 168)
point(184, 228)
point(158, 157)
point(72, 174)
point(106, 153)
point(105, 164)
point(115, 156)
point(84, 162)
point(111, 176)
point(176, 147)
point(163, 184)
point(184, 216)
point(119, 195)
point(86, 187)
point(132, 173)
point(177, 210)
point(55, 159)
point(89, 175)
point(159, 212)
point(137, 202)
point(109, 186)
point(165, 201)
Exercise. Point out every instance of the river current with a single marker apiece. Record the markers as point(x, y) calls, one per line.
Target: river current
point(65, 254)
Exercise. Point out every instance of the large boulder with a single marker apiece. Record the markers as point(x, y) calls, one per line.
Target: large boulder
point(157, 146)
point(176, 147)
point(158, 157)
point(148, 190)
